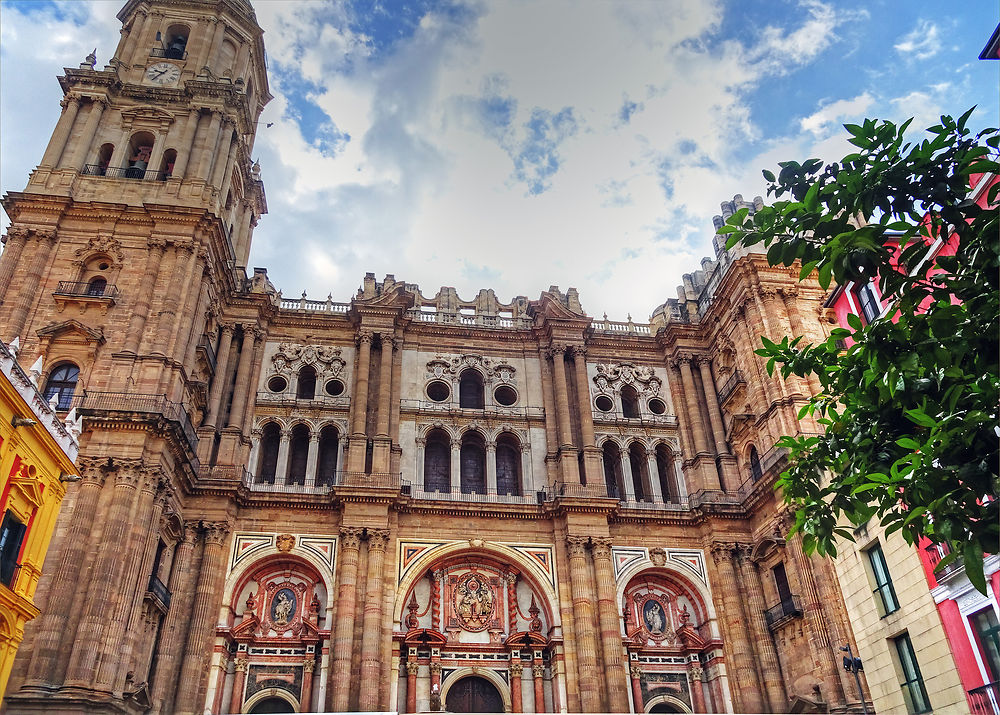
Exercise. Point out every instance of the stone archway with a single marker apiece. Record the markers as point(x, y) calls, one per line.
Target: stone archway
point(271, 700)
point(473, 694)
point(666, 704)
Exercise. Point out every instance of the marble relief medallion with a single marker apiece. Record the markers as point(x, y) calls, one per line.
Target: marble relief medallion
point(474, 602)
point(283, 606)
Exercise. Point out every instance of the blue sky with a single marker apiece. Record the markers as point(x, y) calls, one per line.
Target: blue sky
point(515, 145)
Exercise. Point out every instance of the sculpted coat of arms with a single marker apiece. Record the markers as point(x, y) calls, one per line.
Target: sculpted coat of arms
point(474, 602)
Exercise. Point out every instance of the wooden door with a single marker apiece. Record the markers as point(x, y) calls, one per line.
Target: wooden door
point(474, 695)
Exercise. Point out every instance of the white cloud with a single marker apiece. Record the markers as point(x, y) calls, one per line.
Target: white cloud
point(824, 119)
point(920, 43)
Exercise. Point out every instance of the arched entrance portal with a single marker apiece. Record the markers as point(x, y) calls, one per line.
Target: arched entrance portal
point(474, 695)
point(273, 705)
point(665, 707)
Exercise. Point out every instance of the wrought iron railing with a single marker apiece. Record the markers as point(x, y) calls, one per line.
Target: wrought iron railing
point(936, 552)
point(168, 53)
point(84, 289)
point(671, 504)
point(270, 484)
point(729, 387)
point(790, 607)
point(92, 403)
point(616, 417)
point(985, 700)
point(159, 591)
point(124, 172)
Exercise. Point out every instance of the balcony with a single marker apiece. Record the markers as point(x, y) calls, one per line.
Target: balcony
point(124, 172)
point(206, 349)
point(451, 409)
point(779, 615)
point(729, 388)
point(489, 496)
point(263, 484)
point(935, 553)
point(159, 593)
point(643, 420)
point(985, 700)
point(130, 404)
point(75, 289)
point(474, 320)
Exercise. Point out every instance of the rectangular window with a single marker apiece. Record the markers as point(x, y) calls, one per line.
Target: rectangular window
point(11, 536)
point(987, 630)
point(871, 306)
point(883, 582)
point(912, 683)
point(781, 583)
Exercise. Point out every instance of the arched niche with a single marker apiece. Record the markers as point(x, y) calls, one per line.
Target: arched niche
point(660, 608)
point(263, 696)
point(495, 680)
point(666, 704)
point(257, 595)
point(681, 578)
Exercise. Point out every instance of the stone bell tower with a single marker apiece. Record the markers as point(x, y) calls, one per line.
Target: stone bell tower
point(125, 248)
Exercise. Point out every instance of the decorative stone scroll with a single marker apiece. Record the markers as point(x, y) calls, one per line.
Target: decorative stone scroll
point(325, 359)
point(449, 367)
point(612, 376)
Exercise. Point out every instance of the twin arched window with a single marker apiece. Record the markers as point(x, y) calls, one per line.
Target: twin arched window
point(472, 465)
point(638, 458)
point(62, 383)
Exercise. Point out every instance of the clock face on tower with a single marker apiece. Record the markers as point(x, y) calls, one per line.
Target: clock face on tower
point(163, 73)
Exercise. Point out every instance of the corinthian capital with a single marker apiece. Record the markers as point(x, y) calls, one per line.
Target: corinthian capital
point(577, 545)
point(378, 539)
point(602, 547)
point(350, 537)
point(555, 350)
point(722, 551)
point(364, 336)
point(216, 532)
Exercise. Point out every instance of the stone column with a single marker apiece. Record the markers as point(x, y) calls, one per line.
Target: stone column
point(516, 698)
point(50, 652)
point(548, 404)
point(242, 388)
point(556, 352)
point(655, 493)
point(256, 363)
point(695, 675)
point(384, 387)
point(312, 460)
point(491, 467)
point(343, 639)
point(767, 655)
point(201, 629)
point(583, 620)
point(307, 684)
point(89, 642)
point(411, 685)
point(185, 256)
point(628, 478)
point(435, 679)
point(140, 311)
point(172, 631)
point(608, 615)
point(57, 142)
point(144, 41)
point(359, 405)
point(89, 131)
point(371, 666)
point(219, 380)
point(29, 289)
point(455, 466)
point(281, 470)
point(219, 175)
point(208, 146)
point(748, 691)
point(538, 675)
point(236, 702)
point(693, 405)
point(712, 399)
point(186, 145)
point(591, 459)
point(13, 246)
point(187, 299)
point(635, 677)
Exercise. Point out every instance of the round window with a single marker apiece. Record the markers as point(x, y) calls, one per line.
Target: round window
point(277, 384)
point(604, 403)
point(505, 395)
point(103, 266)
point(334, 388)
point(656, 406)
point(438, 391)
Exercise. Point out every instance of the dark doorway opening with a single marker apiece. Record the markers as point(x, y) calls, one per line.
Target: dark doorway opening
point(474, 695)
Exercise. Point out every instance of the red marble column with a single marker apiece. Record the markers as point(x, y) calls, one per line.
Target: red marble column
point(538, 674)
point(411, 685)
point(236, 702)
point(436, 683)
point(516, 698)
point(343, 640)
point(636, 674)
point(371, 663)
point(697, 697)
point(307, 685)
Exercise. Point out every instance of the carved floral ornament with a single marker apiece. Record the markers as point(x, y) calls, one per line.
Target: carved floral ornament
point(612, 376)
point(325, 359)
point(102, 243)
point(449, 367)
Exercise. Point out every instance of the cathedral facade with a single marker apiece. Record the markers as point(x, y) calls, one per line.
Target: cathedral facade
point(402, 502)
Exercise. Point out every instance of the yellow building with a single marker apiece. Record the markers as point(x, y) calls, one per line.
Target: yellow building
point(37, 451)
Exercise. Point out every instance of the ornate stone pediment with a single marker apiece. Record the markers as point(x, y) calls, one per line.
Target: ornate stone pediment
point(449, 367)
point(325, 359)
point(611, 376)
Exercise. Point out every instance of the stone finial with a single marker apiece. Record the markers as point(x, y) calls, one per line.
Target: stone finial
point(14, 346)
point(90, 60)
point(35, 371)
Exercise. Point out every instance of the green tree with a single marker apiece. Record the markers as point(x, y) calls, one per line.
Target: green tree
point(910, 410)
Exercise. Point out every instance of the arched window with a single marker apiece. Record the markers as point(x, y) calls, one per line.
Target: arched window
point(437, 462)
point(612, 457)
point(270, 439)
point(177, 37)
point(755, 469)
point(472, 464)
point(140, 147)
point(306, 389)
point(298, 455)
point(104, 158)
point(97, 286)
point(329, 445)
point(227, 56)
point(62, 383)
point(630, 402)
point(470, 390)
point(167, 164)
point(508, 465)
point(664, 470)
point(640, 471)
